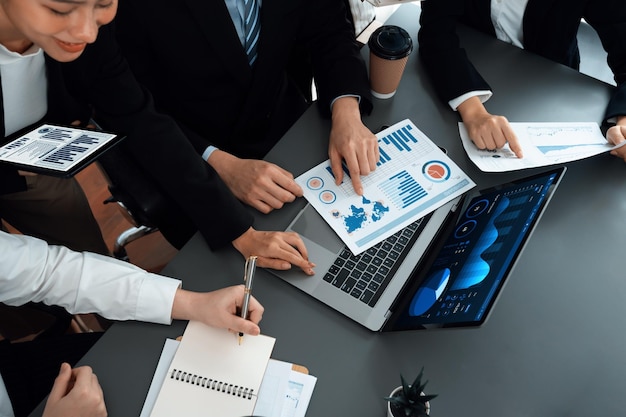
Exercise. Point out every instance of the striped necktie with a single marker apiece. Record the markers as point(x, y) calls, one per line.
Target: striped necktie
point(252, 26)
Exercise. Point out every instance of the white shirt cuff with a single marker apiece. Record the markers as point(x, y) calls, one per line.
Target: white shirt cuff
point(208, 151)
point(358, 98)
point(483, 95)
point(156, 298)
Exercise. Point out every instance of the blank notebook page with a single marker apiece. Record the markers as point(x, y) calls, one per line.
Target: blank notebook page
point(213, 375)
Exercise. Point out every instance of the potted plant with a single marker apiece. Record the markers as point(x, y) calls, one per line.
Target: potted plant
point(409, 400)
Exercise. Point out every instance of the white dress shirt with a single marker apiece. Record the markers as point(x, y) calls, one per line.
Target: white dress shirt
point(30, 270)
point(506, 16)
point(24, 87)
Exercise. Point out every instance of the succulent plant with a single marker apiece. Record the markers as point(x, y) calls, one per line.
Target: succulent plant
point(410, 401)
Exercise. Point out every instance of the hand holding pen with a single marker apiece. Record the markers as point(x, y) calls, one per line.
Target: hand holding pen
point(219, 308)
point(248, 276)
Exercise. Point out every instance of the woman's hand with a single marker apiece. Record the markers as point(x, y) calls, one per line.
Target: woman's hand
point(218, 308)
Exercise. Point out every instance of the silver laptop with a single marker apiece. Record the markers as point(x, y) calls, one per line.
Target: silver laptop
point(443, 270)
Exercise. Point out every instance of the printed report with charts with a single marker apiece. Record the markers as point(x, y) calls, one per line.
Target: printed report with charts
point(413, 177)
point(213, 375)
point(543, 144)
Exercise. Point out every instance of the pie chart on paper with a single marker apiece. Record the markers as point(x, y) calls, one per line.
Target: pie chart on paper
point(436, 171)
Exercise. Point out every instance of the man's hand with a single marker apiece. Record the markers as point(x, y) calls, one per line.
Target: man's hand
point(486, 130)
point(351, 141)
point(218, 308)
point(276, 250)
point(262, 185)
point(616, 135)
point(75, 393)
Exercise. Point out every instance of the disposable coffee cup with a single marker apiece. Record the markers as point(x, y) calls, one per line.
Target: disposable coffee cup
point(390, 47)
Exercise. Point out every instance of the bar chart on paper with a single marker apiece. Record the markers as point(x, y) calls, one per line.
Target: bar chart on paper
point(413, 177)
point(402, 189)
point(401, 147)
point(543, 144)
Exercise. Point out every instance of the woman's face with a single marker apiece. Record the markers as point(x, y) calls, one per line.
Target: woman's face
point(62, 28)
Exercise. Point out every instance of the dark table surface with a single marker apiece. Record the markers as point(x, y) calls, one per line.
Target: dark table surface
point(555, 341)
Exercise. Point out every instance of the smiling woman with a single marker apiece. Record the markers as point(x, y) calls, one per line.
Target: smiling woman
point(32, 32)
point(60, 63)
point(62, 28)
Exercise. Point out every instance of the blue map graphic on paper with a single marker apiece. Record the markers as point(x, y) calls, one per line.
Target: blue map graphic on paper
point(359, 217)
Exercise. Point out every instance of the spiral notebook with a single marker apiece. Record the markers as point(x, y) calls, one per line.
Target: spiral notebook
point(213, 375)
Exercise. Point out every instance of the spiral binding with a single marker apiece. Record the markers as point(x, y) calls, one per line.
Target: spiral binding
point(212, 384)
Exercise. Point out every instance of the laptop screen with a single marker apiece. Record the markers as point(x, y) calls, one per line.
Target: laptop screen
point(460, 286)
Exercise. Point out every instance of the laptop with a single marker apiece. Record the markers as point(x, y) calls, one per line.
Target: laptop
point(443, 270)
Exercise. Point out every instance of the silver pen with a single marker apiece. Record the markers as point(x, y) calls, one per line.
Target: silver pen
point(248, 276)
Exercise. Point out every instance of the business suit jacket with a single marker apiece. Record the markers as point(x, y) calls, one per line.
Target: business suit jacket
point(100, 82)
point(549, 30)
point(188, 54)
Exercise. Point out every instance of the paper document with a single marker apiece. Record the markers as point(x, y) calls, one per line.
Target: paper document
point(413, 177)
point(283, 392)
point(167, 354)
point(542, 143)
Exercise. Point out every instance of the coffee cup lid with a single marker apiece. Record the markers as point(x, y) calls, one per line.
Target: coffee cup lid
point(390, 42)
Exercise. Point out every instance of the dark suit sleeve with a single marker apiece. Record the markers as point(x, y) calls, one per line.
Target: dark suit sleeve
point(450, 70)
point(608, 18)
point(137, 46)
point(102, 78)
point(338, 67)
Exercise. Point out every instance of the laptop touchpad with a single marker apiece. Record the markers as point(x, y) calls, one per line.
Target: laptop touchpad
point(312, 226)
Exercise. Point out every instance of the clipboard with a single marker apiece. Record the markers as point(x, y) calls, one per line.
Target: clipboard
point(300, 368)
point(57, 150)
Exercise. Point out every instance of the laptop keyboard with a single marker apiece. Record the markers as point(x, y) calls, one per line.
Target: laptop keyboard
point(365, 276)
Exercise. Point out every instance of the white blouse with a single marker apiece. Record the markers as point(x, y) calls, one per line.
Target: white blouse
point(24, 87)
point(82, 282)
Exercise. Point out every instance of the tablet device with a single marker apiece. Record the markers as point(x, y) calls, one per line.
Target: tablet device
point(57, 150)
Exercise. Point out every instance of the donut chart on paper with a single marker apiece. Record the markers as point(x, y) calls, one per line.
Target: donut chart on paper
point(315, 183)
point(436, 171)
point(327, 197)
